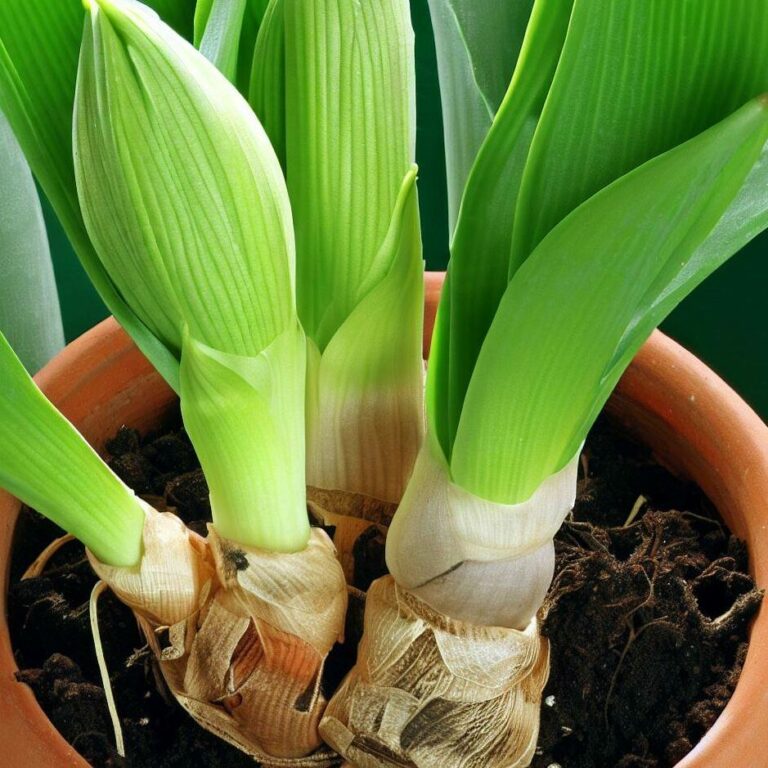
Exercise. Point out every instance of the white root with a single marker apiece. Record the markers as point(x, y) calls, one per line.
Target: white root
point(93, 609)
point(40, 563)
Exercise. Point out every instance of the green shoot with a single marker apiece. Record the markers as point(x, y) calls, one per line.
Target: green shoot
point(267, 86)
point(218, 25)
point(225, 33)
point(39, 49)
point(590, 278)
point(185, 202)
point(48, 465)
point(334, 84)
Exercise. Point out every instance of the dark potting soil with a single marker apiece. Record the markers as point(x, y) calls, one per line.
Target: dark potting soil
point(647, 617)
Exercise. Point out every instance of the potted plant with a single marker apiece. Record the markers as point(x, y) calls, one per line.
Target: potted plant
point(272, 275)
point(102, 381)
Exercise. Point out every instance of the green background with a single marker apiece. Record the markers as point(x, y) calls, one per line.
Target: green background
point(725, 322)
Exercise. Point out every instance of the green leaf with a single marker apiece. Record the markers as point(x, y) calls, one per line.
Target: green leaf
point(218, 25)
point(365, 392)
point(746, 217)
point(545, 367)
point(632, 80)
point(39, 46)
point(267, 87)
point(350, 104)
point(477, 44)
point(349, 109)
point(486, 219)
point(181, 192)
point(635, 79)
point(225, 32)
point(245, 416)
point(48, 465)
point(29, 306)
point(203, 10)
point(253, 18)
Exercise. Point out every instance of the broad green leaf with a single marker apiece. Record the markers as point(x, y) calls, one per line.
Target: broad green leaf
point(350, 122)
point(29, 306)
point(635, 79)
point(477, 44)
point(563, 316)
point(245, 416)
point(632, 80)
point(746, 217)
point(48, 465)
point(486, 218)
point(39, 47)
point(365, 392)
point(267, 87)
point(181, 192)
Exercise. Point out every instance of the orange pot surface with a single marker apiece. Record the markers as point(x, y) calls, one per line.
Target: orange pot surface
point(696, 425)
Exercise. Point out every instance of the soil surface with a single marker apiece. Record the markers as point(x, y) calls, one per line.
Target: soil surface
point(647, 616)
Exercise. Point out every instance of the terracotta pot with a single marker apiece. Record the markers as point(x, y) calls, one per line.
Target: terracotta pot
point(668, 399)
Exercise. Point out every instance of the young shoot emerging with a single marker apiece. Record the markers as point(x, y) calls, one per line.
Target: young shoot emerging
point(334, 84)
point(179, 187)
point(48, 465)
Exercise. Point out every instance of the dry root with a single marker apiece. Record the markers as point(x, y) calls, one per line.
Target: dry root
point(247, 661)
point(430, 692)
point(359, 524)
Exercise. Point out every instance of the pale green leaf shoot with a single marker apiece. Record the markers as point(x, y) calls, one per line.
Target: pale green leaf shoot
point(350, 143)
point(364, 398)
point(218, 26)
point(203, 237)
point(349, 122)
point(47, 464)
point(267, 86)
point(186, 204)
point(245, 416)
